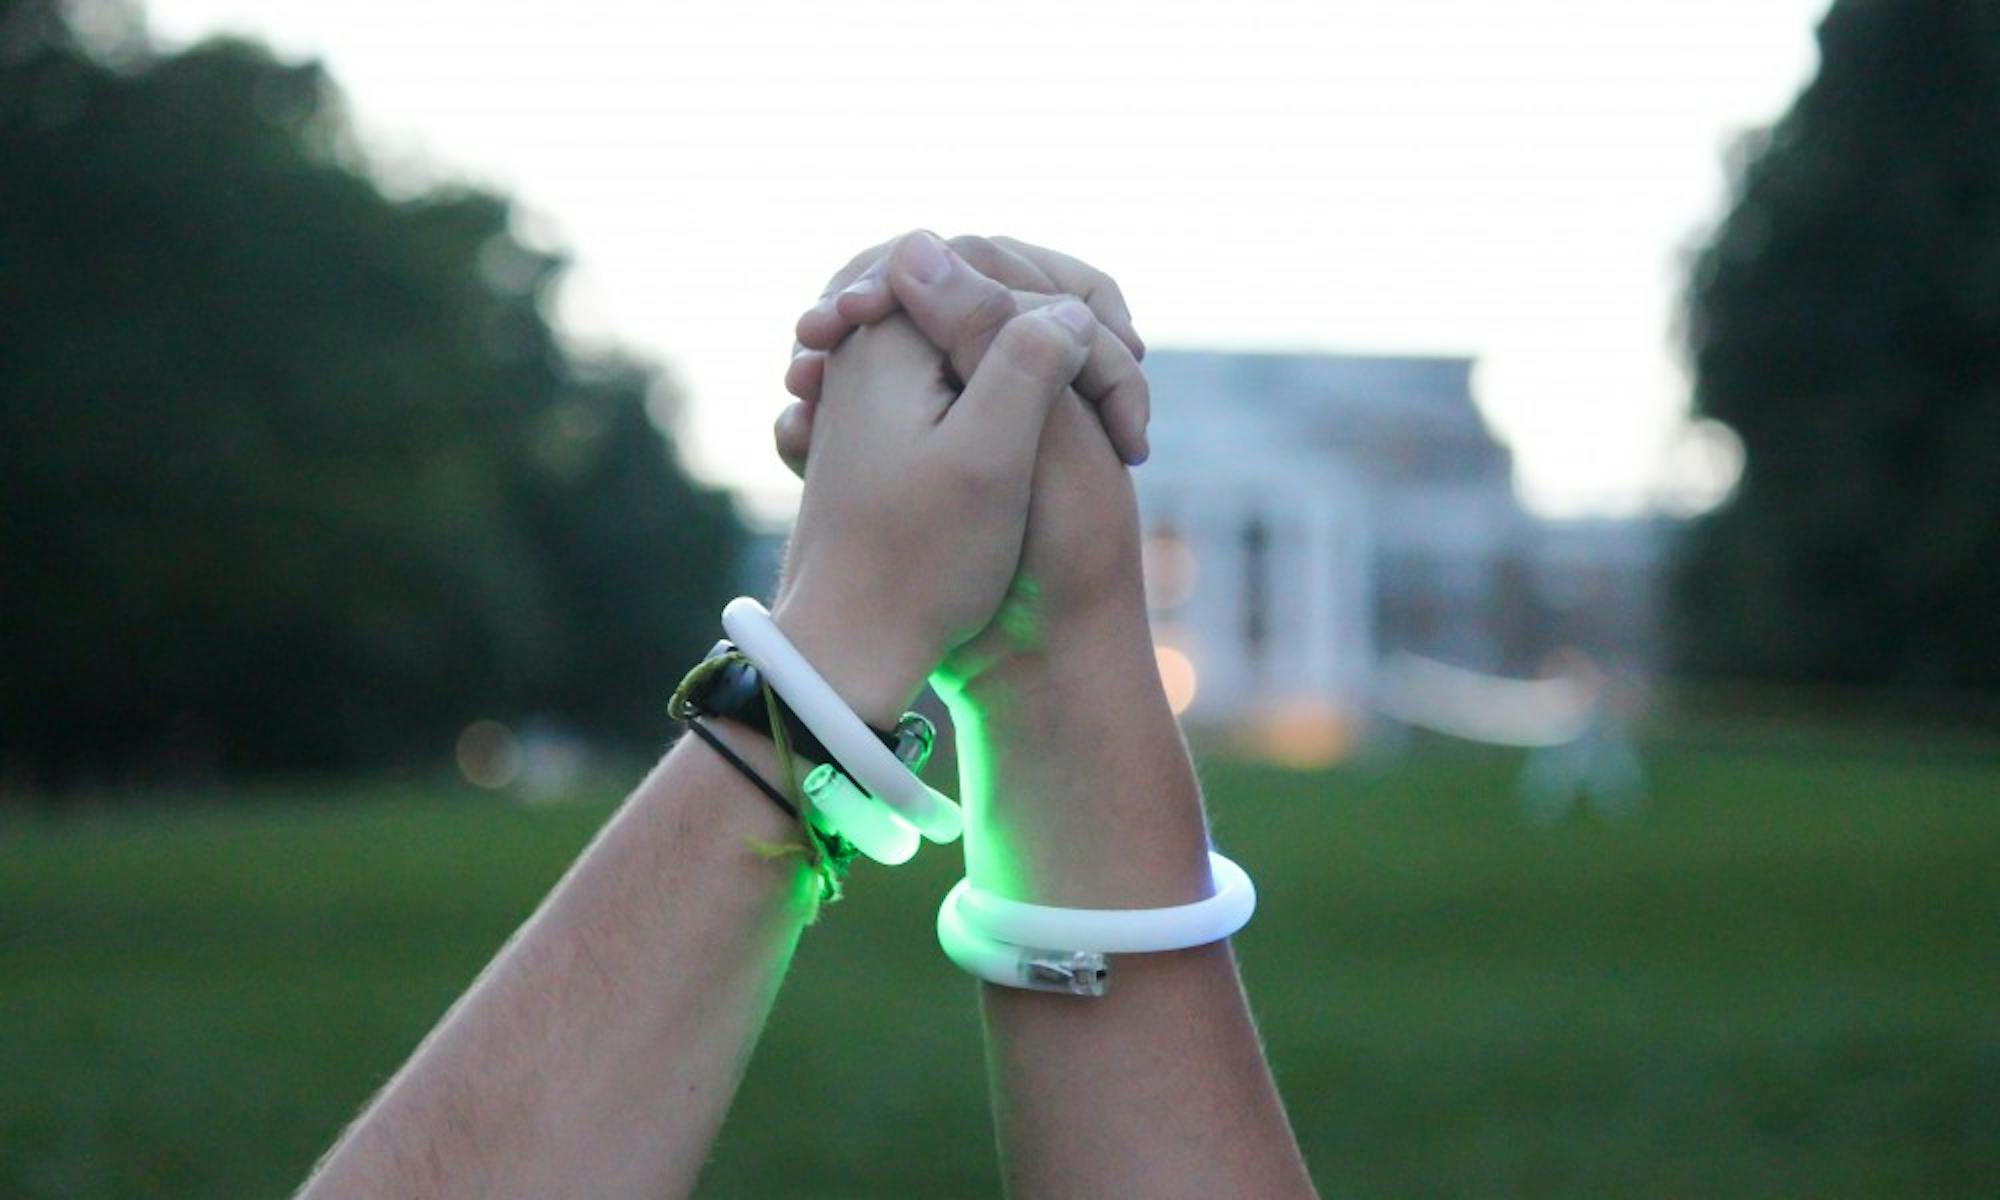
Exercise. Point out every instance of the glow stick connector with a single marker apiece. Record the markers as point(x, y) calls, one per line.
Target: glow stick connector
point(915, 738)
point(875, 829)
point(1077, 972)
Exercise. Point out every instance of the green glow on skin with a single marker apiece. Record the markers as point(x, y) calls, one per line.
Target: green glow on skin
point(992, 856)
point(1019, 627)
point(988, 860)
point(1022, 616)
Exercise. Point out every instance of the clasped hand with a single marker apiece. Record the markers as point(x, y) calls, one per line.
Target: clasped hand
point(965, 414)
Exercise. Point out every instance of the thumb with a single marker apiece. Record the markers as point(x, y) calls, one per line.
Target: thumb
point(996, 421)
point(959, 310)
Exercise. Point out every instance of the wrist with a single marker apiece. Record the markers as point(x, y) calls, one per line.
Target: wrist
point(1077, 785)
point(877, 671)
point(1083, 661)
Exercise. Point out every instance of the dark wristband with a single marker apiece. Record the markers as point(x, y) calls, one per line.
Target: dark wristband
point(743, 768)
point(735, 691)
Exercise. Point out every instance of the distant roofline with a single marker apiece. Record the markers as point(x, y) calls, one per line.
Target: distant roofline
point(1311, 352)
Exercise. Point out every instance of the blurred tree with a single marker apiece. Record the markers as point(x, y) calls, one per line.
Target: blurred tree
point(1845, 321)
point(292, 474)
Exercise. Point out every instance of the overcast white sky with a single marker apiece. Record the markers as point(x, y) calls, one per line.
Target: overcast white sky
point(1513, 179)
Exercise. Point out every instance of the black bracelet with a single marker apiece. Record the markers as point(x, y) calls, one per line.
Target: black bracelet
point(748, 772)
point(736, 690)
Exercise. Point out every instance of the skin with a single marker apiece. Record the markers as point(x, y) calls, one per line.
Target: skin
point(597, 1054)
point(590, 1058)
point(1079, 789)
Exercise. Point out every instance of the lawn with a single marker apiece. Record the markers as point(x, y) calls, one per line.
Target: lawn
point(1782, 980)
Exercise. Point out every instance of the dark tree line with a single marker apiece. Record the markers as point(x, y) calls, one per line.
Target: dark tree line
point(1845, 321)
point(294, 475)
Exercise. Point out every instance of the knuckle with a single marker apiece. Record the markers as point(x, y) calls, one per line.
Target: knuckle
point(973, 248)
point(1107, 290)
point(1037, 346)
point(1101, 292)
point(989, 313)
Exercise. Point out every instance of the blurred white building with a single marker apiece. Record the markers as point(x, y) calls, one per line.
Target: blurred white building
point(1307, 514)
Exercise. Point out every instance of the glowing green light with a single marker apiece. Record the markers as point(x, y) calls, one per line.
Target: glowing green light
point(991, 855)
point(874, 828)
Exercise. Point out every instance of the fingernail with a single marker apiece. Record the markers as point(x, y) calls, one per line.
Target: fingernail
point(1074, 316)
point(866, 285)
point(926, 257)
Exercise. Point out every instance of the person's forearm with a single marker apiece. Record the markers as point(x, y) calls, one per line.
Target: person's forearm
point(1078, 778)
point(1082, 794)
point(597, 1055)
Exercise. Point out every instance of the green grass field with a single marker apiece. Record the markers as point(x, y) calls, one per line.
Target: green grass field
point(1784, 980)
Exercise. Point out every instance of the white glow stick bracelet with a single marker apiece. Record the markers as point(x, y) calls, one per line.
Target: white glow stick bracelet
point(871, 825)
point(1045, 948)
point(853, 745)
point(1071, 972)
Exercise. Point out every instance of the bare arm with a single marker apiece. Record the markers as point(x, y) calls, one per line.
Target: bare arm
point(1160, 1087)
point(1079, 788)
point(598, 1052)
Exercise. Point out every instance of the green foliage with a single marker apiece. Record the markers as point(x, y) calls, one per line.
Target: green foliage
point(1778, 982)
point(293, 474)
point(1845, 321)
